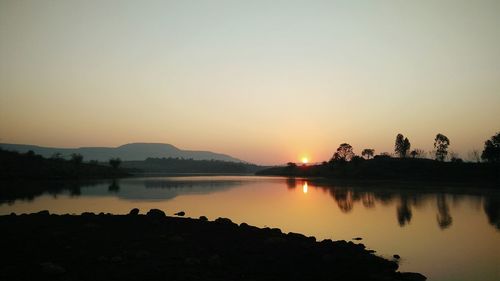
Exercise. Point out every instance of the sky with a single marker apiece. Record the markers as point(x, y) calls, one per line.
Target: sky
point(264, 81)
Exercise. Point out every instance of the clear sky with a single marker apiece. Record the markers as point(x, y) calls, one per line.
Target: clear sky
point(264, 81)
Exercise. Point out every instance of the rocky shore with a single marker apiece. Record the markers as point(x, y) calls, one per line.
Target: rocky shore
point(154, 246)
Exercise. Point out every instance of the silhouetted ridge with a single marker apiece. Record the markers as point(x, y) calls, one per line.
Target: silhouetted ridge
point(127, 152)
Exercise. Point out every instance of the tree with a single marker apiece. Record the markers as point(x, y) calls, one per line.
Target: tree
point(402, 146)
point(368, 153)
point(344, 153)
point(491, 152)
point(417, 153)
point(441, 143)
point(57, 156)
point(76, 158)
point(115, 162)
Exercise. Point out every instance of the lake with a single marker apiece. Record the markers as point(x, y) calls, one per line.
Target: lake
point(445, 232)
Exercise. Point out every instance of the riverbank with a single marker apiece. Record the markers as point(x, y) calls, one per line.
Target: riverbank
point(153, 247)
point(387, 168)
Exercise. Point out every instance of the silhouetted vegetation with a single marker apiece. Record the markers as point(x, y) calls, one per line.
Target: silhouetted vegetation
point(115, 162)
point(368, 153)
point(402, 146)
point(179, 165)
point(14, 165)
point(344, 153)
point(385, 167)
point(491, 152)
point(441, 143)
point(345, 164)
point(417, 153)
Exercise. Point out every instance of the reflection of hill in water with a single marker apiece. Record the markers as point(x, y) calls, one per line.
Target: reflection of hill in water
point(150, 189)
point(129, 189)
point(407, 196)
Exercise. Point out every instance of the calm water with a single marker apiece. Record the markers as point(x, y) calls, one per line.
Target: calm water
point(445, 234)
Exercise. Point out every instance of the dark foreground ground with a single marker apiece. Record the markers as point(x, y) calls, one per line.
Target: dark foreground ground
point(154, 247)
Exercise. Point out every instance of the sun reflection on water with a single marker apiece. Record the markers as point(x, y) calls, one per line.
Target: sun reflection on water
point(304, 187)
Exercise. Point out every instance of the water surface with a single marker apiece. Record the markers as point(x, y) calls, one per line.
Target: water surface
point(445, 232)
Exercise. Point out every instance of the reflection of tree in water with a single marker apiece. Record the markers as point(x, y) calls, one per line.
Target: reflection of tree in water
point(75, 191)
point(291, 183)
point(385, 198)
point(492, 209)
point(114, 186)
point(404, 211)
point(443, 217)
point(344, 200)
point(368, 200)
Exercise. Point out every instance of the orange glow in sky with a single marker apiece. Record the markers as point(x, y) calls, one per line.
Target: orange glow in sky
point(235, 86)
point(305, 160)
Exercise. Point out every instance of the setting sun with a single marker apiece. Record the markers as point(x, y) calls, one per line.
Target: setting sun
point(305, 160)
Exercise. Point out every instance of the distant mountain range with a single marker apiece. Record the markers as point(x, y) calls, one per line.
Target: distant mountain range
point(127, 152)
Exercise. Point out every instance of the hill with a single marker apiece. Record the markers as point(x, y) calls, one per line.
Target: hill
point(127, 152)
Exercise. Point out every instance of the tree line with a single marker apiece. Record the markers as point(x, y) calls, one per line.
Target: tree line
point(402, 149)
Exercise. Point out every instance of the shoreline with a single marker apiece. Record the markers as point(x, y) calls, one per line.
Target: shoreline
point(154, 246)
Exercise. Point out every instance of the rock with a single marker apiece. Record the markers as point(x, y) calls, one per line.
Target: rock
point(43, 213)
point(155, 213)
point(176, 239)
point(134, 212)
point(246, 227)
point(214, 260)
point(275, 240)
point(203, 218)
point(192, 261)
point(180, 214)
point(327, 243)
point(412, 276)
point(102, 259)
point(117, 259)
point(396, 257)
point(357, 238)
point(225, 221)
point(296, 236)
point(142, 254)
point(52, 268)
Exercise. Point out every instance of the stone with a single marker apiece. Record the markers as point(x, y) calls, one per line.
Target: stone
point(116, 259)
point(142, 254)
point(156, 213)
point(180, 214)
point(43, 213)
point(176, 239)
point(134, 212)
point(412, 276)
point(191, 261)
point(225, 221)
point(51, 268)
point(214, 260)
